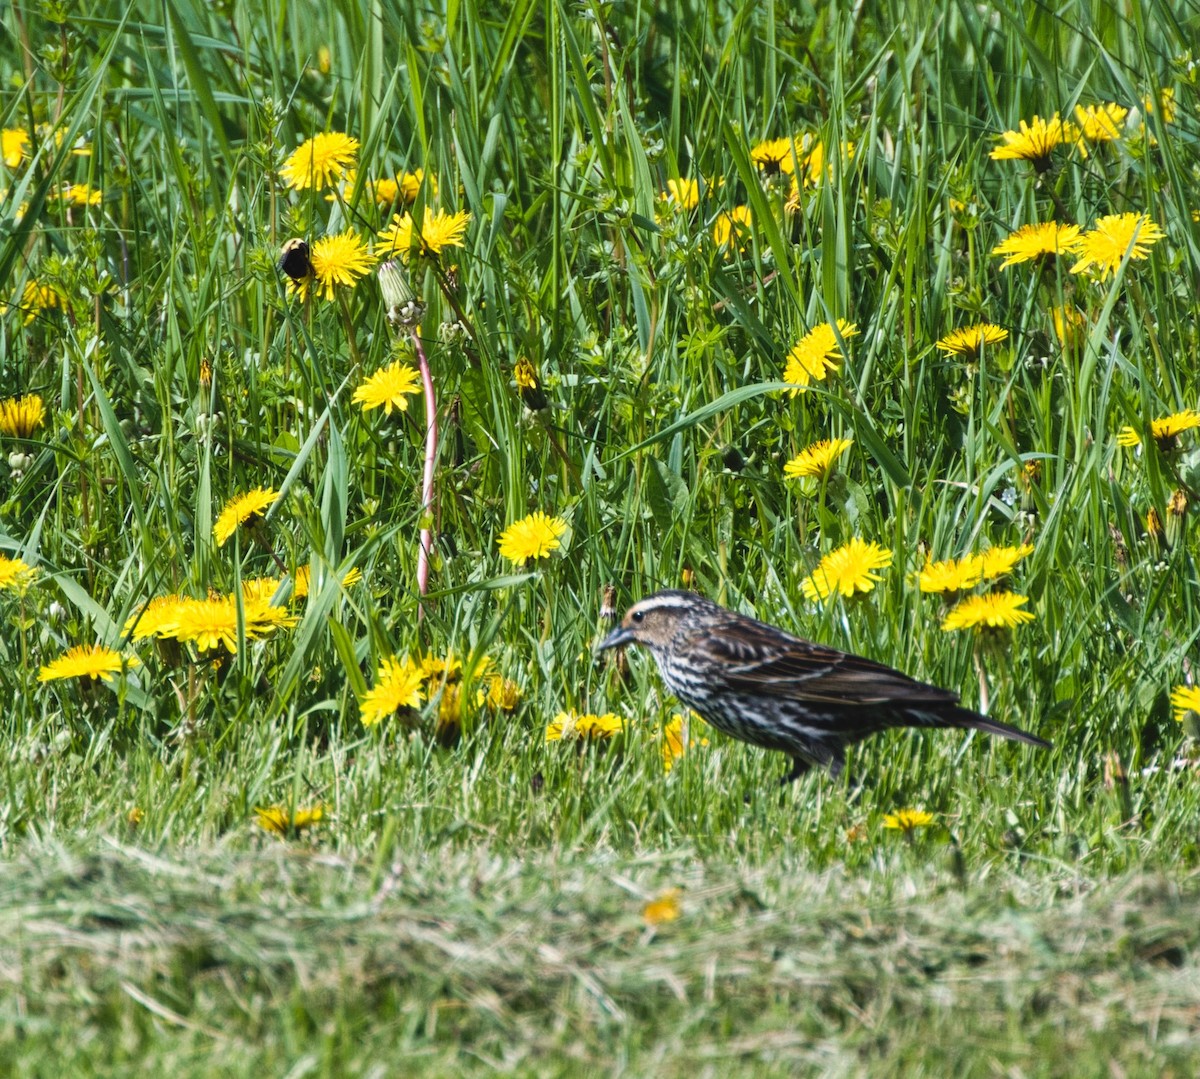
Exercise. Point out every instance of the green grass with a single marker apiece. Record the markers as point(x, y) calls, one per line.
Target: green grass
point(474, 903)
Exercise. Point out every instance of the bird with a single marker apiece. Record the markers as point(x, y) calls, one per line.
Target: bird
point(759, 684)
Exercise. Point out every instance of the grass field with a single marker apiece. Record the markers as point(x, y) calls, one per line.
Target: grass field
point(339, 785)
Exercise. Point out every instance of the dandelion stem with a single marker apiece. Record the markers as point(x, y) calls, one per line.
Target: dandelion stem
point(431, 434)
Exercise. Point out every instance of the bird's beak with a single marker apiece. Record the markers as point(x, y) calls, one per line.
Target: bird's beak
point(619, 636)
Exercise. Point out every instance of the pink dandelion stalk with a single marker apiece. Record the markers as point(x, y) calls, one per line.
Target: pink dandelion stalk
point(405, 312)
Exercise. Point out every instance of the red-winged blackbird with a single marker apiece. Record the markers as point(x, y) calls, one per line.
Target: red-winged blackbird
point(761, 685)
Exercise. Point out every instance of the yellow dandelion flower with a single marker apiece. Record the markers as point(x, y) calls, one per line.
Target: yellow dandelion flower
point(21, 416)
point(534, 536)
point(1030, 242)
point(571, 725)
point(159, 618)
point(390, 387)
point(441, 668)
point(816, 353)
point(78, 195)
point(503, 694)
point(682, 193)
point(285, 821)
point(1000, 561)
point(1099, 123)
point(15, 575)
point(847, 570)
point(778, 155)
point(38, 297)
point(663, 908)
point(815, 167)
point(86, 661)
point(1069, 324)
point(1165, 107)
point(320, 162)
point(213, 622)
point(243, 509)
point(438, 232)
point(996, 610)
point(14, 142)
point(972, 339)
point(1035, 141)
point(1164, 430)
point(1185, 699)
point(410, 183)
point(950, 575)
point(397, 685)
point(817, 461)
point(674, 744)
point(907, 820)
point(732, 226)
point(302, 580)
point(1115, 237)
point(340, 259)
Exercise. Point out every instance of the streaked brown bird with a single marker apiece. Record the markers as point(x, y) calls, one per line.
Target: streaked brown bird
point(761, 685)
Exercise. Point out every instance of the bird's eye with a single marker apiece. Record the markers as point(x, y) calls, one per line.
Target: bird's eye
point(637, 616)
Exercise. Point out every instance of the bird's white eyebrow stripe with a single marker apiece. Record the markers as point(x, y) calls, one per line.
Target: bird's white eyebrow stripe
point(654, 603)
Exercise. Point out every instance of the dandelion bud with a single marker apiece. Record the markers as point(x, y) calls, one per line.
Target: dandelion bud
point(403, 308)
point(529, 385)
point(1176, 519)
point(1155, 533)
point(1027, 479)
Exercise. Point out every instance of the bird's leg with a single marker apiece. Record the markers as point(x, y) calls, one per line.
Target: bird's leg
point(799, 767)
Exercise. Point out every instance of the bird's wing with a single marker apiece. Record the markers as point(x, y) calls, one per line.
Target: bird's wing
point(752, 657)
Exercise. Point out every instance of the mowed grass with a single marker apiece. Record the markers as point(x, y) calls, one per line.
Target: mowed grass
point(476, 898)
point(299, 962)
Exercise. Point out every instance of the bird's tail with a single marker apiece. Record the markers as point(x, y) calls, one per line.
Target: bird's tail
point(973, 721)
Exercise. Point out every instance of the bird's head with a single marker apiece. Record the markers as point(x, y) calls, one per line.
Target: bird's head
point(655, 620)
